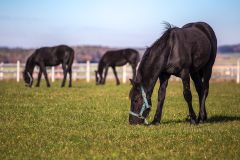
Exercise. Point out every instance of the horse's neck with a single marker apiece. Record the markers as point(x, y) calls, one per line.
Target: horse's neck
point(30, 65)
point(148, 82)
point(150, 71)
point(101, 66)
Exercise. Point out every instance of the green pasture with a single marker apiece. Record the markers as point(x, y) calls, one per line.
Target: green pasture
point(91, 122)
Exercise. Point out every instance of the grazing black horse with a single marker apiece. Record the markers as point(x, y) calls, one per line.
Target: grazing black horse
point(116, 58)
point(185, 52)
point(49, 56)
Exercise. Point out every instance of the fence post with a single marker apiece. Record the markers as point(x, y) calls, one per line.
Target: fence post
point(74, 73)
point(124, 74)
point(18, 71)
point(1, 71)
point(238, 71)
point(53, 74)
point(88, 71)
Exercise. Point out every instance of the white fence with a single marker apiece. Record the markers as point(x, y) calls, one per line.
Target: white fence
point(86, 70)
point(80, 71)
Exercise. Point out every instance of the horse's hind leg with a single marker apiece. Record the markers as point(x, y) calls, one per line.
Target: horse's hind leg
point(206, 77)
point(64, 74)
point(197, 79)
point(70, 76)
point(188, 95)
point(115, 74)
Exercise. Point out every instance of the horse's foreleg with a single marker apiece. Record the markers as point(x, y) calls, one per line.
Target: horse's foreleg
point(105, 75)
point(161, 98)
point(64, 74)
point(134, 71)
point(188, 96)
point(39, 78)
point(115, 74)
point(43, 68)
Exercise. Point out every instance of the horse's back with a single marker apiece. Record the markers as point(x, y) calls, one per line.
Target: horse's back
point(209, 32)
point(190, 48)
point(120, 57)
point(52, 56)
point(132, 56)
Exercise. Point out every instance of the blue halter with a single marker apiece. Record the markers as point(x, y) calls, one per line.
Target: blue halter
point(145, 106)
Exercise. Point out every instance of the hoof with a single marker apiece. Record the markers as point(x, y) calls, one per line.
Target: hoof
point(156, 123)
point(201, 120)
point(193, 121)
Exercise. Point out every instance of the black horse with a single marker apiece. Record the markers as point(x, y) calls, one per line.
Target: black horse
point(113, 59)
point(185, 52)
point(49, 56)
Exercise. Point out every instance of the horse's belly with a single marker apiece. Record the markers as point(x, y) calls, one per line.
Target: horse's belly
point(120, 63)
point(52, 63)
point(173, 69)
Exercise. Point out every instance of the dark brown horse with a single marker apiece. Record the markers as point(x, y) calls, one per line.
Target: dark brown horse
point(185, 52)
point(113, 59)
point(49, 56)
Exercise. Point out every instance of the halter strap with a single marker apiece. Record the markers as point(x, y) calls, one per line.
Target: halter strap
point(145, 106)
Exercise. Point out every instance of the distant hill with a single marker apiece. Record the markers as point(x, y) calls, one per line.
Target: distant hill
point(85, 53)
point(228, 49)
point(82, 53)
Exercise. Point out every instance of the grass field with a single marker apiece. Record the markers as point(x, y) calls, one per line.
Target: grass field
point(91, 122)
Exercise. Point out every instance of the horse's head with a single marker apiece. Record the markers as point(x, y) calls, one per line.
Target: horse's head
point(140, 107)
point(28, 79)
point(98, 78)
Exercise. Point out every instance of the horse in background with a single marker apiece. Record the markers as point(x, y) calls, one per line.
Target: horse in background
point(49, 56)
point(185, 52)
point(113, 59)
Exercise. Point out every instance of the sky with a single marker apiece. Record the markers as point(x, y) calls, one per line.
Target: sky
point(115, 23)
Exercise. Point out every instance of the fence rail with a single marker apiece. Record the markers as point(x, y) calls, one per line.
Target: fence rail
point(86, 70)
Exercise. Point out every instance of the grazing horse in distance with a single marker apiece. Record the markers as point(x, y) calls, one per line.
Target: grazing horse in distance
point(113, 59)
point(49, 56)
point(185, 52)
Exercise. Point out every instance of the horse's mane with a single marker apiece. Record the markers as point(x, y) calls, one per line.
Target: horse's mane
point(159, 43)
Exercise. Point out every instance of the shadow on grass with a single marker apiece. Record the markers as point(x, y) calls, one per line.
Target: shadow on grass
point(222, 118)
point(175, 121)
point(213, 119)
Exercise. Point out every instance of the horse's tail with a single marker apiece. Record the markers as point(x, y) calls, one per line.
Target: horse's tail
point(71, 58)
point(137, 56)
point(209, 32)
point(207, 29)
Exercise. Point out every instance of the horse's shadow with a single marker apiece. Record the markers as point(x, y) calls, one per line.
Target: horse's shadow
point(222, 118)
point(212, 119)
